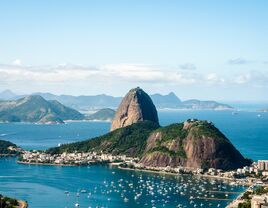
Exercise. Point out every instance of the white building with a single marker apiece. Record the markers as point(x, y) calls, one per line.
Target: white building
point(259, 202)
point(263, 164)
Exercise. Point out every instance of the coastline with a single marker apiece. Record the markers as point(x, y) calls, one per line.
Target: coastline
point(176, 174)
point(22, 204)
point(47, 164)
point(137, 169)
point(54, 164)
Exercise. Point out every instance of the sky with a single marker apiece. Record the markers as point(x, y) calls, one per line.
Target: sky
point(210, 50)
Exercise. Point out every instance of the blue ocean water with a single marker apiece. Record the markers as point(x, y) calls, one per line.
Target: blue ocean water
point(44, 186)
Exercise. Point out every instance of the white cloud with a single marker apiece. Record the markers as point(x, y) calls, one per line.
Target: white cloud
point(17, 62)
point(214, 78)
point(253, 78)
point(123, 73)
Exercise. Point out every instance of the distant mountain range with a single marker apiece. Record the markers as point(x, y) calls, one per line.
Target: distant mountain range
point(36, 109)
point(91, 102)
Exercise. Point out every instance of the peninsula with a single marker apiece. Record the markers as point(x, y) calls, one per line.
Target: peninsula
point(136, 133)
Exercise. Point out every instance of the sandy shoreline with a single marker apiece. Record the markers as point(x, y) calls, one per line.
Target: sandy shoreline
point(177, 174)
point(47, 164)
point(53, 164)
point(22, 204)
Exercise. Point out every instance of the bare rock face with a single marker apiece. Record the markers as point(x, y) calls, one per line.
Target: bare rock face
point(193, 144)
point(136, 106)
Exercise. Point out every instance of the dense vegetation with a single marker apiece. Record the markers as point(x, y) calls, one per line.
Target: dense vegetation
point(130, 140)
point(4, 145)
point(168, 134)
point(206, 129)
point(172, 131)
point(246, 204)
point(6, 202)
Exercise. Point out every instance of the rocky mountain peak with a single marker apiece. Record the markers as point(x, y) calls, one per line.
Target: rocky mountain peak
point(136, 106)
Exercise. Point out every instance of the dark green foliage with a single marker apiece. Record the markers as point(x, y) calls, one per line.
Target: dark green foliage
point(7, 202)
point(130, 140)
point(165, 150)
point(246, 204)
point(169, 133)
point(260, 190)
point(4, 147)
point(206, 129)
point(173, 131)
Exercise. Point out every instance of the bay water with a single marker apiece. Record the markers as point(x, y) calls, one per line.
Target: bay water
point(104, 186)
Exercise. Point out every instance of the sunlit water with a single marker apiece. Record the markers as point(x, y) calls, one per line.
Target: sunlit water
point(45, 186)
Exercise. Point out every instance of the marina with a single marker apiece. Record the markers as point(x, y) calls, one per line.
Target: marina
point(106, 186)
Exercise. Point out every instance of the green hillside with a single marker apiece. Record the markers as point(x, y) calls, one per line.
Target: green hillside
point(130, 140)
point(102, 115)
point(36, 109)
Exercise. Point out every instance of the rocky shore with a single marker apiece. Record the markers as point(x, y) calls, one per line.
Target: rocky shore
point(7, 202)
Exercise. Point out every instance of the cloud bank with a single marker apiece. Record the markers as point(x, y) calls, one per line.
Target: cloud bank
point(123, 72)
point(79, 79)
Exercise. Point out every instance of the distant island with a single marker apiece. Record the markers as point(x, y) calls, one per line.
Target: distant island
point(105, 114)
point(136, 133)
point(36, 109)
point(93, 102)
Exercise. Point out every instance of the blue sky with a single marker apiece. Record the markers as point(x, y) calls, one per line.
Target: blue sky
point(198, 49)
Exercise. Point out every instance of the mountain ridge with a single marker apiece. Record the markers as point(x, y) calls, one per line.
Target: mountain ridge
point(89, 102)
point(36, 109)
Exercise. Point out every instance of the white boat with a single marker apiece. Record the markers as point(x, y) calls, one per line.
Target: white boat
point(83, 191)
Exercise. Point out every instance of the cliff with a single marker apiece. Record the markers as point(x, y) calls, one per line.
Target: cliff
point(194, 144)
point(136, 106)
